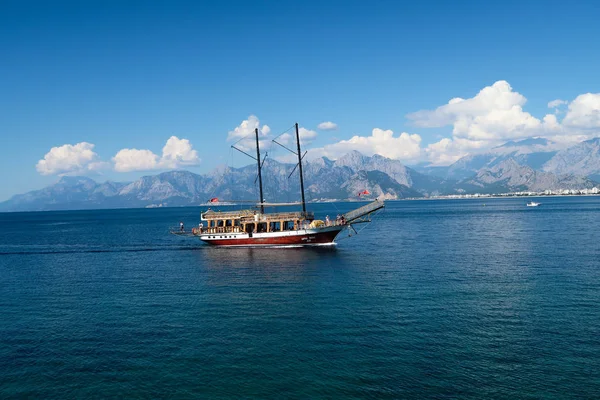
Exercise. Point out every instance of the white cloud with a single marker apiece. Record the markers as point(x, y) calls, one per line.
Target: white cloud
point(247, 127)
point(499, 96)
point(70, 159)
point(495, 115)
point(557, 103)
point(175, 154)
point(405, 147)
point(306, 136)
point(584, 112)
point(447, 151)
point(244, 136)
point(327, 126)
point(135, 160)
point(289, 140)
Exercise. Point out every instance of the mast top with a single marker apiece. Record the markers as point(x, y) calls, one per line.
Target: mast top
point(299, 165)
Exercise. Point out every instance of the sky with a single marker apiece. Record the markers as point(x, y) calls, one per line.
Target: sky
point(115, 90)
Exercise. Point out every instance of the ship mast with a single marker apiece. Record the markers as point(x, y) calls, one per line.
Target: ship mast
point(299, 165)
point(300, 168)
point(261, 201)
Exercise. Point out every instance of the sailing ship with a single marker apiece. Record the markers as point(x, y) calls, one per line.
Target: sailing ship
point(255, 227)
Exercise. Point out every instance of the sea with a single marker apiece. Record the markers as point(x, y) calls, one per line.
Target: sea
point(475, 298)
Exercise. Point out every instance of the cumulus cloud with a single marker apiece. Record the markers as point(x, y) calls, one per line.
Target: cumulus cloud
point(584, 112)
point(70, 159)
point(404, 147)
point(495, 115)
point(306, 137)
point(327, 126)
point(447, 151)
point(80, 158)
point(247, 127)
point(243, 134)
point(175, 154)
point(135, 160)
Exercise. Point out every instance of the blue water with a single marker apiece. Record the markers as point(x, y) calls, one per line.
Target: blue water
point(445, 299)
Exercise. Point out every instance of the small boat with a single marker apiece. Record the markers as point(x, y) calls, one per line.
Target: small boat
point(255, 227)
point(533, 204)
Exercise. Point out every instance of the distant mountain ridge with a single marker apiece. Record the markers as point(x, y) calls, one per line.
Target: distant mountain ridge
point(505, 168)
point(582, 159)
point(510, 176)
point(325, 179)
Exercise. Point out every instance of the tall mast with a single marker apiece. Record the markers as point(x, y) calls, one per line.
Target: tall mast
point(300, 167)
point(262, 207)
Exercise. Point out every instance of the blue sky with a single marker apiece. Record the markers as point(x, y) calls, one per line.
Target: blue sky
point(130, 75)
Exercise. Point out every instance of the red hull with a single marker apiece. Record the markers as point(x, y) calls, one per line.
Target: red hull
point(296, 240)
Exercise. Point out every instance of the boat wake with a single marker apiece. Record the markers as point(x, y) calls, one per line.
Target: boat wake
point(23, 250)
point(97, 250)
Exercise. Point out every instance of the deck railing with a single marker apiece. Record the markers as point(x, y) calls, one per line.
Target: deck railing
point(221, 229)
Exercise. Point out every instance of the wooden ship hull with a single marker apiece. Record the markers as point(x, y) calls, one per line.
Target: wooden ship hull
point(301, 237)
point(251, 228)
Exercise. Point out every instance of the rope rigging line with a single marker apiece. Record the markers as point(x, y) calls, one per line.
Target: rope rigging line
point(286, 131)
point(243, 137)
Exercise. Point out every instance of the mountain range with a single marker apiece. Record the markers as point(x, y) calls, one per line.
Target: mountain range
point(531, 164)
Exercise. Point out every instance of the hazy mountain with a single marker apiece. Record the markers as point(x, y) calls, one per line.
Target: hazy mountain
point(68, 193)
point(324, 179)
point(530, 152)
point(581, 159)
point(421, 183)
point(379, 184)
point(393, 168)
point(428, 169)
point(510, 176)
